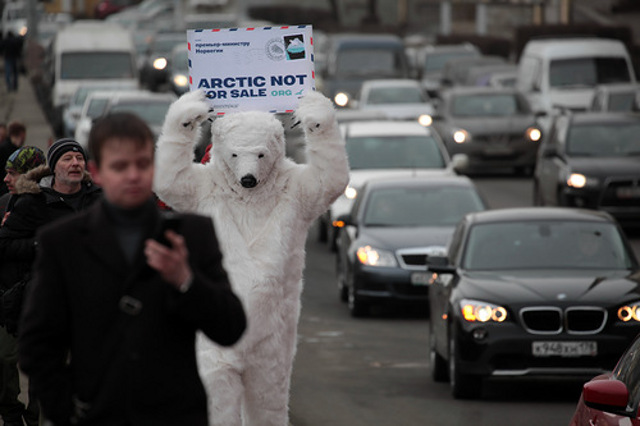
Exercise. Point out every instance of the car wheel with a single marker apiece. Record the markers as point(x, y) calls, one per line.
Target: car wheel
point(463, 386)
point(342, 285)
point(357, 307)
point(437, 364)
point(322, 231)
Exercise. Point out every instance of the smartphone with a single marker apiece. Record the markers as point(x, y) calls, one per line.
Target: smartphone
point(169, 222)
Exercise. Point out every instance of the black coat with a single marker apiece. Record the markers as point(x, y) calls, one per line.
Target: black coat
point(34, 205)
point(145, 372)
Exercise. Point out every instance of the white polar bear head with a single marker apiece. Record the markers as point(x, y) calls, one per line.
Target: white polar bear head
point(247, 146)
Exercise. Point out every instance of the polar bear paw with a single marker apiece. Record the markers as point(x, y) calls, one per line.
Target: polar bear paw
point(187, 113)
point(315, 112)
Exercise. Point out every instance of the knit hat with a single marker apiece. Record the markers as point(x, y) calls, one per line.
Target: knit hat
point(59, 148)
point(25, 158)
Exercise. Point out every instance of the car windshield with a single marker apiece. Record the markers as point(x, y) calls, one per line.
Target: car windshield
point(163, 46)
point(394, 152)
point(369, 62)
point(152, 113)
point(426, 206)
point(436, 62)
point(485, 105)
point(604, 140)
point(622, 102)
point(96, 107)
point(587, 72)
point(395, 95)
point(180, 60)
point(545, 245)
point(95, 65)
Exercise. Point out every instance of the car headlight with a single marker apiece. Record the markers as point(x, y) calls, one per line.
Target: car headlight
point(629, 312)
point(160, 63)
point(578, 180)
point(533, 134)
point(341, 99)
point(372, 256)
point(425, 120)
point(477, 311)
point(180, 80)
point(350, 192)
point(461, 136)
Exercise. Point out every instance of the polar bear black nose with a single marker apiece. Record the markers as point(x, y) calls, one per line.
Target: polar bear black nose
point(248, 181)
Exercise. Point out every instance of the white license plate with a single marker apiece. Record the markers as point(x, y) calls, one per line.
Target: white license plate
point(421, 278)
point(565, 349)
point(498, 150)
point(628, 192)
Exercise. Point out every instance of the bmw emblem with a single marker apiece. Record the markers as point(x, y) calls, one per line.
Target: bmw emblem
point(562, 296)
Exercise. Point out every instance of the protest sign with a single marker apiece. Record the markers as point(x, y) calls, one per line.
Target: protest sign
point(262, 68)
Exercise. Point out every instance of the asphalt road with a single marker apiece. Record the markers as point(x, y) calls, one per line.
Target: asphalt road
point(374, 371)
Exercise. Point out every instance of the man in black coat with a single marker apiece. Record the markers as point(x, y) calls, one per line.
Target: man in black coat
point(108, 331)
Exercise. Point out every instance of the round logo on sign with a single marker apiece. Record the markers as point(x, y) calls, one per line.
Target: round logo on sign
point(275, 49)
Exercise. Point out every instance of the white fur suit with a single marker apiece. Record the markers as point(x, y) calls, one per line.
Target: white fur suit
point(262, 204)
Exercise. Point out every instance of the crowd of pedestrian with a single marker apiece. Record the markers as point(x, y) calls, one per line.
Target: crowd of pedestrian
point(100, 290)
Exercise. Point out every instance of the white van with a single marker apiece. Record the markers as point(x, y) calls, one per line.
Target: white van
point(562, 73)
point(90, 52)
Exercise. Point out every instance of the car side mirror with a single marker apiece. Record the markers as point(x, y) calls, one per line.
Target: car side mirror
point(611, 396)
point(440, 265)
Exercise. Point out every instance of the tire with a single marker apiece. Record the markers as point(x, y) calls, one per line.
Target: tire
point(322, 231)
point(437, 364)
point(343, 289)
point(463, 386)
point(357, 307)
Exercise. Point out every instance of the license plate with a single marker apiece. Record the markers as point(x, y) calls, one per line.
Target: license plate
point(565, 349)
point(421, 278)
point(628, 192)
point(498, 150)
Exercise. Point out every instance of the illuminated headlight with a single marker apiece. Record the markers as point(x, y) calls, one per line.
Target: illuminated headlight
point(630, 312)
point(461, 136)
point(351, 193)
point(341, 99)
point(371, 256)
point(180, 80)
point(160, 63)
point(533, 134)
point(425, 120)
point(476, 311)
point(578, 180)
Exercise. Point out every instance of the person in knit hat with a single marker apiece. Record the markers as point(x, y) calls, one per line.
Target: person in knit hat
point(43, 195)
point(20, 162)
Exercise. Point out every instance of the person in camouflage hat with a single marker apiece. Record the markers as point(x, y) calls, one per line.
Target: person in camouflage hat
point(20, 162)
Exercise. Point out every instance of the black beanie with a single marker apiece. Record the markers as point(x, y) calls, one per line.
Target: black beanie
point(58, 149)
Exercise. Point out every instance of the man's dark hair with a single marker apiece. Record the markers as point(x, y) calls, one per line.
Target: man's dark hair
point(119, 125)
point(16, 128)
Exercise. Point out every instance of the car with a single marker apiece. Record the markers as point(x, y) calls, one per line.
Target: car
point(531, 292)
point(93, 107)
point(561, 73)
point(431, 60)
point(386, 148)
point(353, 58)
point(155, 66)
point(178, 69)
point(493, 126)
point(72, 112)
point(456, 71)
point(104, 8)
point(402, 99)
point(616, 97)
point(395, 224)
point(612, 398)
point(591, 160)
point(151, 107)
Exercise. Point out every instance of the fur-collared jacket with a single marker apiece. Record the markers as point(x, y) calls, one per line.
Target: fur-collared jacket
point(35, 204)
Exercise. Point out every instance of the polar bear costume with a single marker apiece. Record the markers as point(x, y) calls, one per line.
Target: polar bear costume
point(262, 204)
